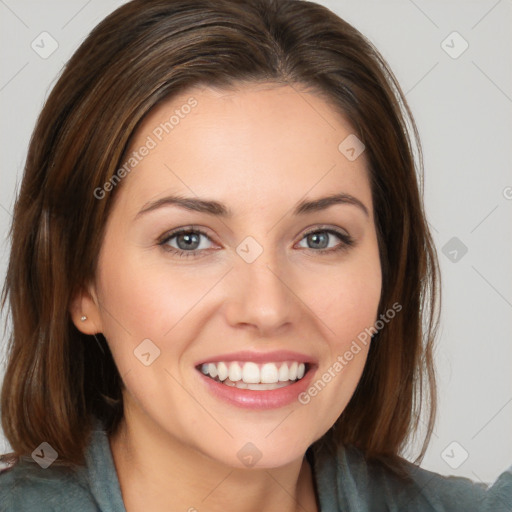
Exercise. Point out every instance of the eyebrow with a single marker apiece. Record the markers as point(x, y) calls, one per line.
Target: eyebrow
point(220, 210)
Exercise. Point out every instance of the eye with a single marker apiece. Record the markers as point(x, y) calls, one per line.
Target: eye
point(185, 242)
point(321, 240)
point(193, 242)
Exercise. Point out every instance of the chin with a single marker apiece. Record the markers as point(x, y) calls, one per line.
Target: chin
point(260, 453)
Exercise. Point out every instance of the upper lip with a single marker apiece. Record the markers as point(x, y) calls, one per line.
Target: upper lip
point(276, 356)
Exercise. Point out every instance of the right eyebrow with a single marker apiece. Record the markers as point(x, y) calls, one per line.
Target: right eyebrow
point(189, 203)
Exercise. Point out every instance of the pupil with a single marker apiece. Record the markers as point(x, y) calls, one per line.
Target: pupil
point(190, 239)
point(321, 239)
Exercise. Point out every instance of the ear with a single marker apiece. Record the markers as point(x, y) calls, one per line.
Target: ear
point(85, 311)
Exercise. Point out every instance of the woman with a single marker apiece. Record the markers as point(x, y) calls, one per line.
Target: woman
point(219, 275)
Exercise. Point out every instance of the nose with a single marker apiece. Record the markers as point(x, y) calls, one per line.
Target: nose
point(261, 296)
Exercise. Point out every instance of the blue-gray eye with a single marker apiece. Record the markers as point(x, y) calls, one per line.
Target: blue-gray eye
point(325, 240)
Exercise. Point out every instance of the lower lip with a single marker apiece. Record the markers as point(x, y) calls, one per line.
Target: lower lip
point(250, 399)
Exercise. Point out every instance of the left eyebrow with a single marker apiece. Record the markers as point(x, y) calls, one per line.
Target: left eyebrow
point(323, 203)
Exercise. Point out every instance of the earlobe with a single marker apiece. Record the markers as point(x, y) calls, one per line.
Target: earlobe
point(85, 312)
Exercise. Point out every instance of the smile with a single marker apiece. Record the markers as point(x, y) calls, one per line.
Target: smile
point(254, 376)
point(257, 380)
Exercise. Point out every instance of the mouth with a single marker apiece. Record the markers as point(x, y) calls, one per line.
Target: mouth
point(255, 380)
point(255, 376)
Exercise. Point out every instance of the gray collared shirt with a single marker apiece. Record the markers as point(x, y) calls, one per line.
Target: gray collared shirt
point(344, 482)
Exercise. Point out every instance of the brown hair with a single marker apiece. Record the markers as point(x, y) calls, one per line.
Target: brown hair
point(58, 379)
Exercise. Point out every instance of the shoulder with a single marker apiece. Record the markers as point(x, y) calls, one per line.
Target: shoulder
point(361, 485)
point(92, 487)
point(460, 493)
point(25, 486)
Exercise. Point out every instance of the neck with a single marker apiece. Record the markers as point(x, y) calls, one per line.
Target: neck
point(158, 472)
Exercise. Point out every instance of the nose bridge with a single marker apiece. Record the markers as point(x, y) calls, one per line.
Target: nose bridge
point(261, 297)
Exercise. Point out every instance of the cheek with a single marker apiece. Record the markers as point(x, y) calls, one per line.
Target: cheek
point(142, 302)
point(147, 300)
point(346, 306)
point(347, 311)
point(346, 298)
point(165, 304)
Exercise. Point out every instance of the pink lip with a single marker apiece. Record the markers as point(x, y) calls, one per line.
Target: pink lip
point(250, 399)
point(259, 357)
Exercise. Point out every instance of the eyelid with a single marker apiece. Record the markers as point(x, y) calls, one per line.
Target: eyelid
point(325, 227)
point(185, 229)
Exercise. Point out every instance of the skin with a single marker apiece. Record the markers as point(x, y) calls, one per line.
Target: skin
point(259, 149)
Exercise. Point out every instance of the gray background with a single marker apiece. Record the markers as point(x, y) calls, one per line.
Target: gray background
point(463, 110)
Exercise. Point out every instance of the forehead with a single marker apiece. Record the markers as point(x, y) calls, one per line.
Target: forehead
point(251, 145)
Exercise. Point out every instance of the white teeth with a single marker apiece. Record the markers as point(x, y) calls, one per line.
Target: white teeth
point(292, 372)
point(249, 375)
point(235, 372)
point(283, 373)
point(212, 370)
point(222, 371)
point(269, 374)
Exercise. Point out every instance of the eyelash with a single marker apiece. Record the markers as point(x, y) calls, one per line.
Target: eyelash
point(346, 241)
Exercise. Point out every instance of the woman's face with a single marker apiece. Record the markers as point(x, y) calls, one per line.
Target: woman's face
point(259, 283)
